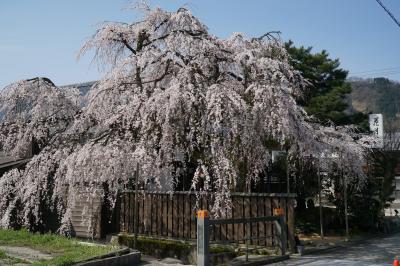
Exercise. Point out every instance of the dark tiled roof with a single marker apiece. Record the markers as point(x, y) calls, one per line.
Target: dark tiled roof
point(7, 161)
point(83, 87)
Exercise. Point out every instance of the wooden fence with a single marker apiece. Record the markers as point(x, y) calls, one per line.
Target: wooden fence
point(173, 216)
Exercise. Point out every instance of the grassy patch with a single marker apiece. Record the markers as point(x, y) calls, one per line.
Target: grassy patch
point(2, 254)
point(160, 248)
point(221, 249)
point(66, 251)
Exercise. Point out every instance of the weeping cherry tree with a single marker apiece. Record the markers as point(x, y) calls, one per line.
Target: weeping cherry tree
point(176, 100)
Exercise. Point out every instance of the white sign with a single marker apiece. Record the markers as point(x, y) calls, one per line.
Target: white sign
point(376, 127)
point(277, 154)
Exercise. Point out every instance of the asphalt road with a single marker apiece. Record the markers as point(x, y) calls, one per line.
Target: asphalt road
point(378, 251)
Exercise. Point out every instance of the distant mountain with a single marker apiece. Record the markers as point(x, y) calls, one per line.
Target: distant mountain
point(378, 95)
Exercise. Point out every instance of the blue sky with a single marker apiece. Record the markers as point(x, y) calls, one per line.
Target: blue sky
point(42, 37)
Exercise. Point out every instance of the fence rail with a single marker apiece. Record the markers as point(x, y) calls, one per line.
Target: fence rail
point(203, 231)
point(174, 216)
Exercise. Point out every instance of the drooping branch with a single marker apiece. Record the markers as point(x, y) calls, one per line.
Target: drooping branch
point(162, 76)
point(270, 35)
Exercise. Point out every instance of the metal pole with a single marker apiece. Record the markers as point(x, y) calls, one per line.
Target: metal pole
point(280, 229)
point(321, 221)
point(135, 208)
point(345, 207)
point(203, 227)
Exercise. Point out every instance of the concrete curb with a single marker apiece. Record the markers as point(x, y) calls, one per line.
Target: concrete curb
point(258, 261)
point(317, 250)
point(116, 253)
point(341, 245)
point(132, 258)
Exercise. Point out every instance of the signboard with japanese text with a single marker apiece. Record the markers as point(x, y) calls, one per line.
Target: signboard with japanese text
point(376, 127)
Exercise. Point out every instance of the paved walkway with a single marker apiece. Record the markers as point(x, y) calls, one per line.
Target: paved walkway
point(374, 252)
point(22, 255)
point(148, 260)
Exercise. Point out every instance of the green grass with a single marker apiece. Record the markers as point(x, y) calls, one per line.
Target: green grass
point(2, 254)
point(66, 251)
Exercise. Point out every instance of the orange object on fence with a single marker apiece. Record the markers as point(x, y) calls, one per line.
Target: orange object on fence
point(278, 212)
point(202, 214)
point(396, 262)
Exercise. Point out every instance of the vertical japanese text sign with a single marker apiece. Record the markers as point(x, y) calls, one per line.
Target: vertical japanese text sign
point(376, 127)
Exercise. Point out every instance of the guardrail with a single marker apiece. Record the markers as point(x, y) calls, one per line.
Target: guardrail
point(204, 225)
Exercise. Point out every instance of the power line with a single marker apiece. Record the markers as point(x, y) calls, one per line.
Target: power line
point(389, 13)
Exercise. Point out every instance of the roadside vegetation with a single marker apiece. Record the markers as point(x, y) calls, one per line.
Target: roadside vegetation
point(330, 98)
point(66, 251)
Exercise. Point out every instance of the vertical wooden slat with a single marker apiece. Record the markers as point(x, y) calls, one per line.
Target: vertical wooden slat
point(261, 225)
point(193, 210)
point(121, 217)
point(181, 207)
point(230, 227)
point(239, 227)
point(247, 214)
point(141, 214)
point(237, 214)
point(170, 213)
point(160, 215)
point(146, 213)
point(165, 214)
point(186, 215)
point(181, 212)
point(254, 226)
point(149, 213)
point(127, 214)
point(275, 204)
point(206, 206)
point(269, 229)
point(139, 219)
point(126, 199)
point(175, 218)
point(123, 213)
point(152, 214)
point(282, 203)
point(182, 224)
point(131, 214)
point(223, 231)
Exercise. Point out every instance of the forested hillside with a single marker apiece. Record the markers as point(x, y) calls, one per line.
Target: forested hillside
point(378, 95)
